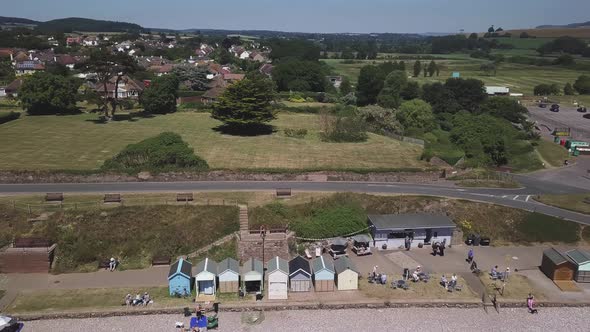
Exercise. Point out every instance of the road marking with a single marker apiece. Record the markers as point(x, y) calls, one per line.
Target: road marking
point(381, 185)
point(461, 190)
point(515, 197)
point(504, 196)
point(527, 198)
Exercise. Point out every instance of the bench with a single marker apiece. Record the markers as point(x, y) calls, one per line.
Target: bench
point(32, 242)
point(161, 260)
point(184, 197)
point(283, 192)
point(103, 264)
point(112, 198)
point(54, 197)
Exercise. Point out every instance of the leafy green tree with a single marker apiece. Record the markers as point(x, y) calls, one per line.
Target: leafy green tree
point(300, 75)
point(442, 99)
point(223, 56)
point(582, 85)
point(469, 93)
point(57, 69)
point(193, 78)
point(431, 68)
point(345, 87)
point(246, 104)
point(45, 93)
point(546, 89)
point(416, 114)
point(568, 89)
point(417, 68)
point(370, 83)
point(6, 70)
point(160, 96)
point(410, 91)
point(380, 120)
point(488, 68)
point(504, 108)
point(106, 66)
point(491, 29)
point(390, 95)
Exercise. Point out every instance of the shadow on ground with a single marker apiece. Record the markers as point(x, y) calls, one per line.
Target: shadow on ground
point(252, 130)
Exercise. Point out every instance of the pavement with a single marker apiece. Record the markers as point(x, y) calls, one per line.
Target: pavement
point(567, 117)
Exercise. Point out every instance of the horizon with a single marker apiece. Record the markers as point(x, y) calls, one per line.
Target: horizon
point(372, 16)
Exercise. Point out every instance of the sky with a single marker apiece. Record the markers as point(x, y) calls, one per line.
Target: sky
point(363, 16)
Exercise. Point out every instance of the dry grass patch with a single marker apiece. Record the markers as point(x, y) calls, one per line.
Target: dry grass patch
point(517, 287)
point(573, 202)
point(419, 290)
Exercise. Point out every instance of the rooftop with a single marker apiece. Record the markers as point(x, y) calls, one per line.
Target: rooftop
point(228, 264)
point(555, 256)
point(278, 263)
point(181, 266)
point(299, 263)
point(578, 256)
point(410, 221)
point(208, 265)
point(343, 264)
point(321, 263)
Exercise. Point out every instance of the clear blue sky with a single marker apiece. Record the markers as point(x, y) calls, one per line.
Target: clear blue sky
point(313, 15)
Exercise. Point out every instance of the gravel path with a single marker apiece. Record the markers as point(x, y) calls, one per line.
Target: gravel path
point(549, 319)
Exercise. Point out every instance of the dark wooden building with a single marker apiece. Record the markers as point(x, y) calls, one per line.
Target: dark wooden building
point(556, 266)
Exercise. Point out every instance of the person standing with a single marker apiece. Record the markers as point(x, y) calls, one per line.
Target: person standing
point(470, 255)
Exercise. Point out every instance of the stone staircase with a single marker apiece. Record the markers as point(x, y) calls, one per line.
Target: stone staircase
point(250, 245)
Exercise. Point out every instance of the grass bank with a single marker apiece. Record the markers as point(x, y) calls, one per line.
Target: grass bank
point(418, 290)
point(573, 202)
point(553, 154)
point(518, 287)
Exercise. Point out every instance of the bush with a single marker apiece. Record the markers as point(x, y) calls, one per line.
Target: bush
point(582, 85)
point(295, 133)
point(297, 98)
point(6, 117)
point(126, 104)
point(380, 120)
point(342, 128)
point(165, 152)
point(546, 90)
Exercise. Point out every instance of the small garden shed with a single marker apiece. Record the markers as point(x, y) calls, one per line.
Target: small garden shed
point(582, 261)
point(180, 277)
point(253, 275)
point(228, 275)
point(323, 274)
point(557, 266)
point(205, 277)
point(347, 276)
point(299, 275)
point(278, 278)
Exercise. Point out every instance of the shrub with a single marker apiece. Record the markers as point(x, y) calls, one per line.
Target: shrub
point(380, 120)
point(6, 117)
point(295, 133)
point(126, 104)
point(297, 98)
point(582, 85)
point(165, 152)
point(546, 90)
point(342, 128)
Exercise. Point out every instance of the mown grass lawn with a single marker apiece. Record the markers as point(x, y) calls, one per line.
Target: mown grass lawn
point(77, 142)
point(573, 202)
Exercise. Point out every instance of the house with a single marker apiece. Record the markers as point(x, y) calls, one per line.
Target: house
point(7, 52)
point(13, 88)
point(228, 275)
point(90, 41)
point(582, 261)
point(336, 81)
point(556, 266)
point(257, 56)
point(21, 56)
point(299, 275)
point(211, 95)
point(66, 60)
point(231, 78)
point(347, 275)
point(160, 70)
point(180, 277)
point(497, 90)
point(244, 55)
point(278, 278)
point(390, 230)
point(205, 278)
point(323, 274)
point(266, 69)
point(128, 88)
point(253, 275)
point(29, 67)
point(73, 41)
point(2, 91)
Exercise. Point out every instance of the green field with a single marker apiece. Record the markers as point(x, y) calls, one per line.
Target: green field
point(518, 77)
point(78, 142)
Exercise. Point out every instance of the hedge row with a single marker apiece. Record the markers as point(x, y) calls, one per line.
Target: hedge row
point(7, 117)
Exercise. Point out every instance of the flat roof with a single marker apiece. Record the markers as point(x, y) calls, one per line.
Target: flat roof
point(410, 221)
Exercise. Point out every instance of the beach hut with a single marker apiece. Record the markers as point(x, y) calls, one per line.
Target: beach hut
point(338, 247)
point(347, 276)
point(228, 276)
point(556, 266)
point(205, 283)
point(299, 275)
point(278, 278)
point(253, 275)
point(582, 261)
point(323, 274)
point(180, 277)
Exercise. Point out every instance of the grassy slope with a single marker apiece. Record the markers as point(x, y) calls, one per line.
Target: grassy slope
point(574, 202)
point(76, 142)
point(553, 154)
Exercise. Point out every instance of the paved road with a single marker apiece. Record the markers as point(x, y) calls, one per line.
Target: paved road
point(517, 198)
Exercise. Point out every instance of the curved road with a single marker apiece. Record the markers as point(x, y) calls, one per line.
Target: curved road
point(517, 198)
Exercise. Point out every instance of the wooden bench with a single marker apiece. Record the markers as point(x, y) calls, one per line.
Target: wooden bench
point(283, 192)
point(184, 197)
point(54, 197)
point(161, 260)
point(32, 242)
point(112, 198)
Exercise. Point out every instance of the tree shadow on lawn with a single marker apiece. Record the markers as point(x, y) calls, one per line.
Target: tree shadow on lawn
point(129, 117)
point(248, 131)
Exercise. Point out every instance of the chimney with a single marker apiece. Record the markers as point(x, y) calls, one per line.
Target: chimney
point(30, 56)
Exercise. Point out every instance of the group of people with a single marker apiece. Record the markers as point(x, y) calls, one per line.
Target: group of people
point(449, 285)
point(418, 275)
point(439, 247)
point(138, 300)
point(377, 278)
point(495, 274)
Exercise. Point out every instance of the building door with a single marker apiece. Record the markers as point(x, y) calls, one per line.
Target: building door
point(428, 236)
point(206, 287)
point(277, 290)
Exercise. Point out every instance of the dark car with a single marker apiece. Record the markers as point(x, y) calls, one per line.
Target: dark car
point(554, 108)
point(541, 105)
point(582, 109)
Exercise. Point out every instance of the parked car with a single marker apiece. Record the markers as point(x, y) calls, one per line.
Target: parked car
point(582, 109)
point(554, 108)
point(9, 324)
point(542, 105)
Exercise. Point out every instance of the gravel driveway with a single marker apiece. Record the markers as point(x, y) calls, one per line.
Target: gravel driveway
point(412, 319)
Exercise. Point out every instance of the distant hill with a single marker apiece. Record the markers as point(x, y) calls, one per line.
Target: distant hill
point(17, 20)
point(87, 25)
point(572, 25)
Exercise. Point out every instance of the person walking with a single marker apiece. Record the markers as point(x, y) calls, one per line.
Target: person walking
point(530, 303)
point(470, 255)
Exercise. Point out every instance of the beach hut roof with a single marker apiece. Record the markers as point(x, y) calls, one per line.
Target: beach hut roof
point(278, 263)
point(208, 265)
point(228, 264)
point(182, 267)
point(343, 264)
